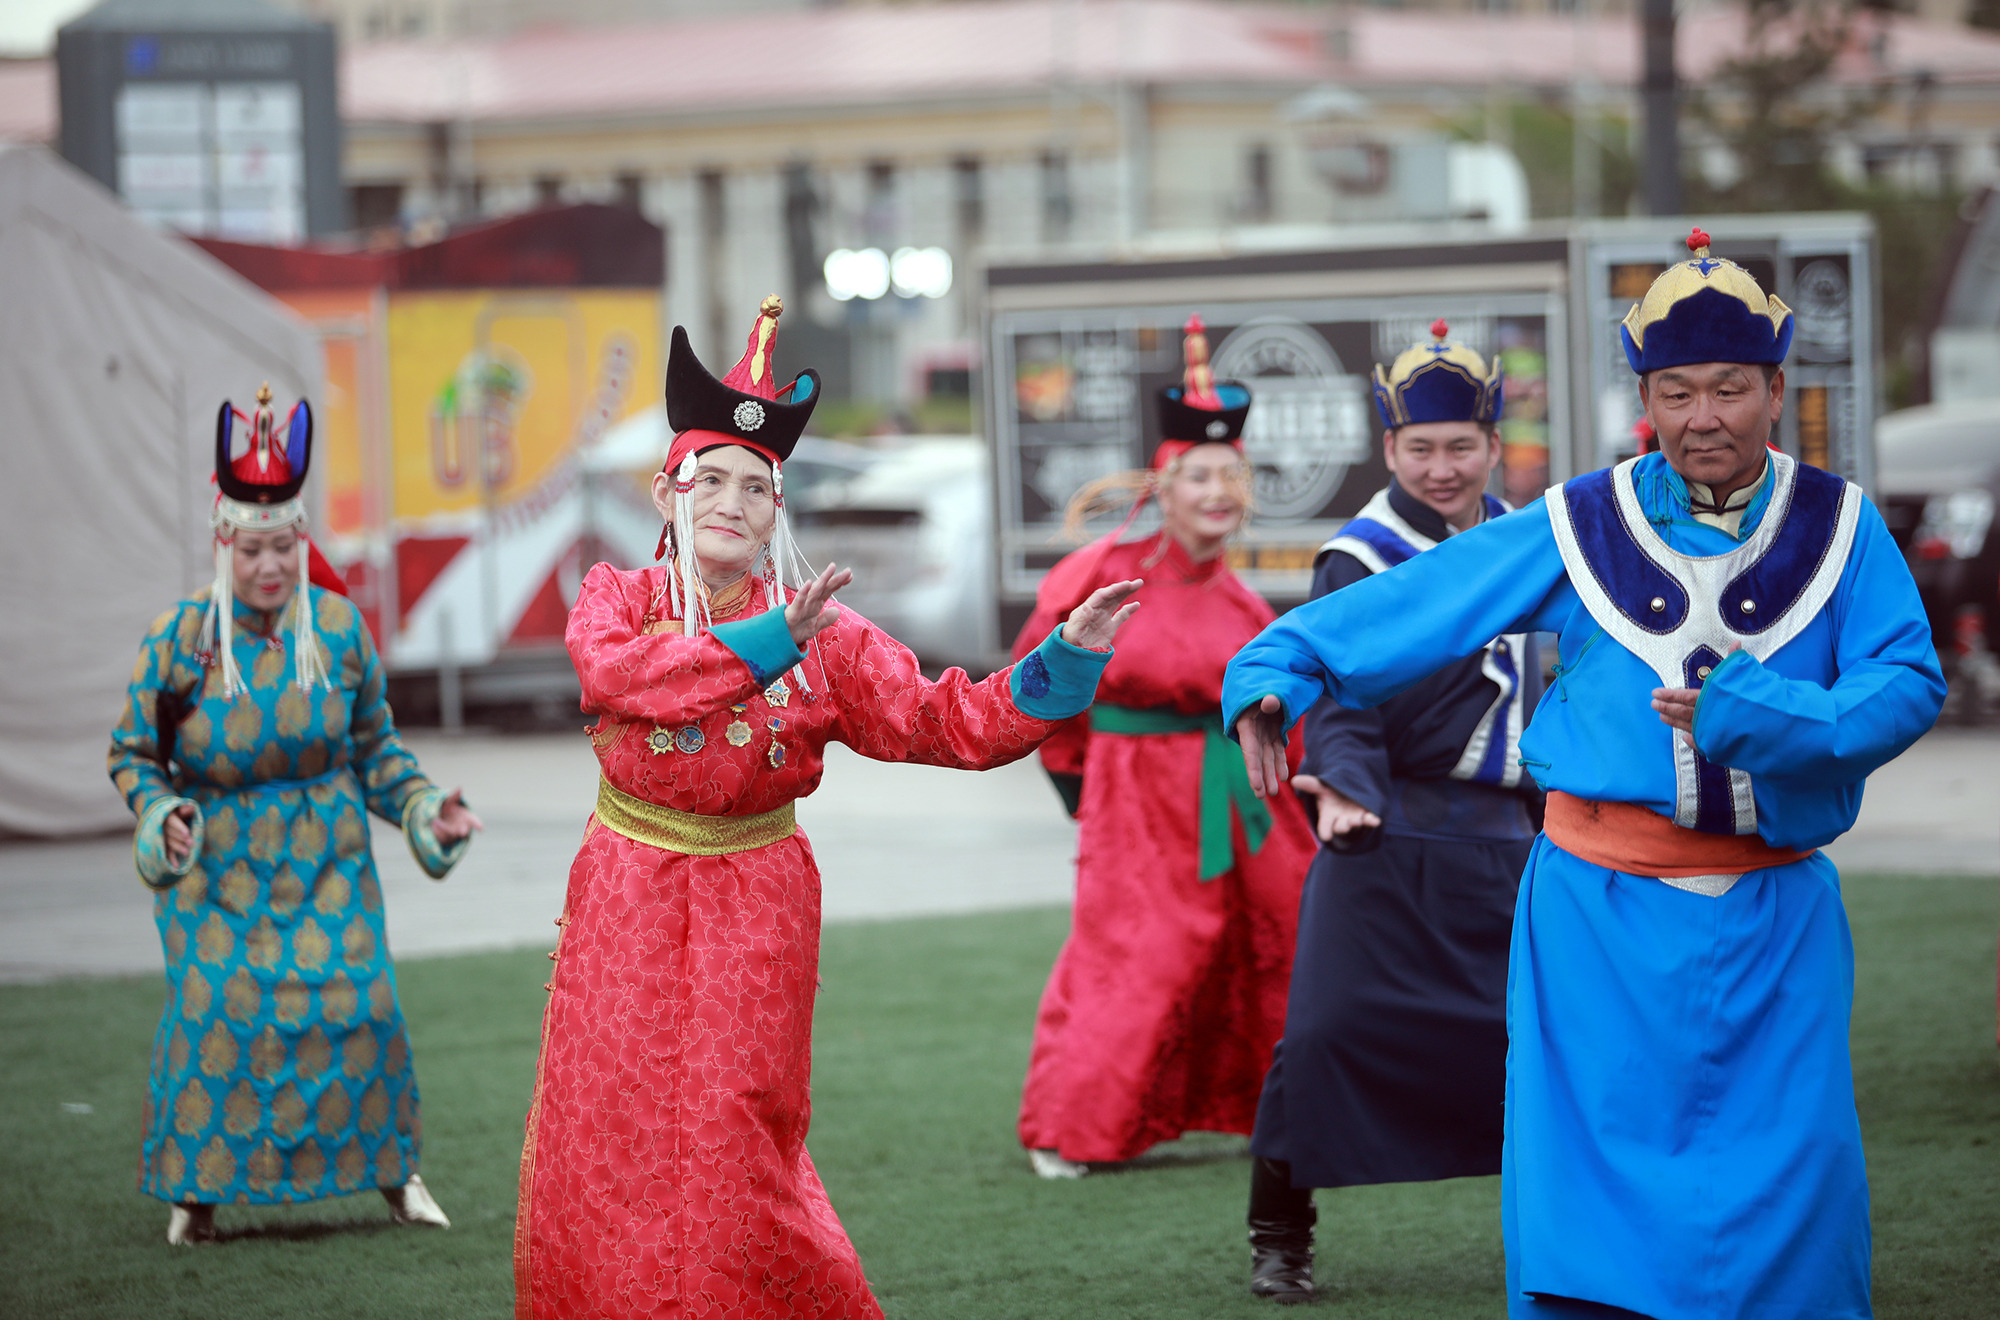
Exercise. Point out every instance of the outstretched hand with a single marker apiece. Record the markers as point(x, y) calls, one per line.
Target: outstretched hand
point(1337, 813)
point(454, 820)
point(813, 609)
point(1094, 623)
point(1261, 730)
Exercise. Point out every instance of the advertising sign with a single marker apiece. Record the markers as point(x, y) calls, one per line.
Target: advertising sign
point(1076, 350)
point(1082, 408)
point(447, 437)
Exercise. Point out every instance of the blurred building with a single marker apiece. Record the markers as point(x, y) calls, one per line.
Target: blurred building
point(384, 20)
point(766, 142)
point(766, 137)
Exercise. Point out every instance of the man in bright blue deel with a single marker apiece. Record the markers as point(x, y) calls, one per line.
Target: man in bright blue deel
point(1740, 645)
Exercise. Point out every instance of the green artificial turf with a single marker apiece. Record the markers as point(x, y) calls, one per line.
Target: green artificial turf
point(922, 1037)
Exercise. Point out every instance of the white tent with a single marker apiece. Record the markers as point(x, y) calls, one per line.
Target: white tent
point(117, 344)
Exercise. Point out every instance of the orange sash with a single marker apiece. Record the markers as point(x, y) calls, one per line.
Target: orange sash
point(1624, 836)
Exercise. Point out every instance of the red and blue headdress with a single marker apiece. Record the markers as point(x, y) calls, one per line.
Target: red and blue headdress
point(1439, 381)
point(258, 491)
point(1705, 309)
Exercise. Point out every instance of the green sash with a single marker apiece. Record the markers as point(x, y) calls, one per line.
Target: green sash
point(1223, 778)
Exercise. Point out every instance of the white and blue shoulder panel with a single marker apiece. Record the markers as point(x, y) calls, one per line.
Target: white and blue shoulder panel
point(1681, 614)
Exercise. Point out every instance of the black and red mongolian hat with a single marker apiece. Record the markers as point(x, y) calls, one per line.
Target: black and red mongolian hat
point(1200, 410)
point(745, 407)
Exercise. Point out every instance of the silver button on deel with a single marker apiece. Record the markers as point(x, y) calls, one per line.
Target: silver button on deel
point(1701, 672)
point(1659, 604)
point(1749, 607)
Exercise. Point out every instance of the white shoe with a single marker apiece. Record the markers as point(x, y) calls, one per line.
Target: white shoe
point(1049, 1164)
point(412, 1204)
point(188, 1226)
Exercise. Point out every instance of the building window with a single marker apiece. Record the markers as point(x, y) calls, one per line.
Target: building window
point(1258, 198)
point(948, 382)
point(1058, 206)
point(802, 252)
point(878, 220)
point(548, 190)
point(631, 190)
point(969, 195)
point(375, 204)
point(714, 257)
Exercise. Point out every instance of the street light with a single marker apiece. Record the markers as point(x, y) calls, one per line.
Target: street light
point(921, 272)
point(851, 274)
point(869, 273)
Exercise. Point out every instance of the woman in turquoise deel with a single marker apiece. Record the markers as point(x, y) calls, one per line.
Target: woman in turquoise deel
point(256, 738)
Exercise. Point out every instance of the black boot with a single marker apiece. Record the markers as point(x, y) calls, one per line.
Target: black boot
point(1281, 1234)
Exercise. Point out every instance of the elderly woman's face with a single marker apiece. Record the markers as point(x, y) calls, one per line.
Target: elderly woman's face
point(266, 567)
point(735, 507)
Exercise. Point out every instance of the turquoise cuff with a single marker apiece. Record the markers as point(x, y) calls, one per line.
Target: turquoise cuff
point(1057, 680)
point(149, 843)
point(436, 858)
point(764, 643)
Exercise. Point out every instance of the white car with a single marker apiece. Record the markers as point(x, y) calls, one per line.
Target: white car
point(916, 528)
point(912, 518)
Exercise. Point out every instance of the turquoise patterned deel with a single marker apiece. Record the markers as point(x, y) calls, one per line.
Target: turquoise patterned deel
point(281, 1069)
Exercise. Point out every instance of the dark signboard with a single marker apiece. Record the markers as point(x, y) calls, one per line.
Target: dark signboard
point(219, 119)
point(1081, 407)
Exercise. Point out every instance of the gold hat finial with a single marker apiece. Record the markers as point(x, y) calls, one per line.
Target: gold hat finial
point(768, 313)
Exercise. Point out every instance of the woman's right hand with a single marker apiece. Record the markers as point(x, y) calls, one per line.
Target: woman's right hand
point(1094, 623)
point(813, 610)
point(179, 833)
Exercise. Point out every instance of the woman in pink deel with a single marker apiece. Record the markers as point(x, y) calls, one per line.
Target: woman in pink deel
point(1169, 994)
point(665, 1172)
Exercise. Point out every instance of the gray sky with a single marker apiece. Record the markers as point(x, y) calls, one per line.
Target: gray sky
point(28, 27)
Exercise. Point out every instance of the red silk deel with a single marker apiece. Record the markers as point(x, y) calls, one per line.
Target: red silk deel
point(1169, 994)
point(666, 1172)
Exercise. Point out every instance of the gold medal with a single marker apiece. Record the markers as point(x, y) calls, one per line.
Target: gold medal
point(660, 740)
point(738, 733)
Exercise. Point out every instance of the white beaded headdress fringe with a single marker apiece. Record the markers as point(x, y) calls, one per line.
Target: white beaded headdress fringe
point(782, 558)
point(691, 594)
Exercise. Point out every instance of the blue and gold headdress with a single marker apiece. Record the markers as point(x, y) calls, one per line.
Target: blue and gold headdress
point(1438, 382)
point(1705, 310)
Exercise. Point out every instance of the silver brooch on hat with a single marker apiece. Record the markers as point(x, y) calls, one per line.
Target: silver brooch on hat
point(749, 415)
point(1217, 429)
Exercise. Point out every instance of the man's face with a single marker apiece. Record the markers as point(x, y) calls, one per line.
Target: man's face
point(1443, 464)
point(1713, 419)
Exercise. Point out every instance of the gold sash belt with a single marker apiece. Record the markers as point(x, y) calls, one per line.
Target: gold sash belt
point(684, 831)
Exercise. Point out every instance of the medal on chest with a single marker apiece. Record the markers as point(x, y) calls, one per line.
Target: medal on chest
point(687, 739)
